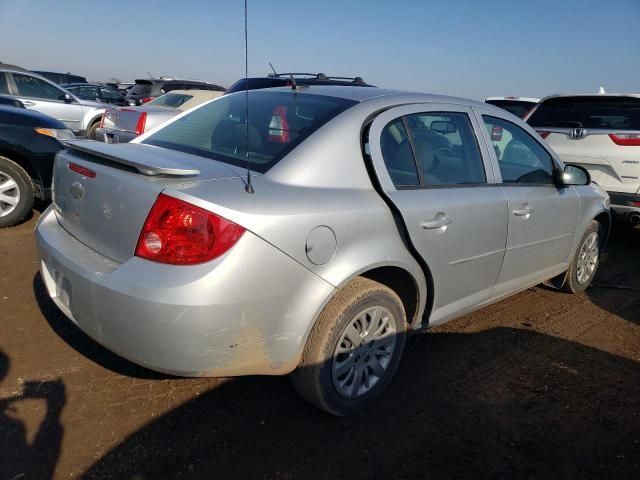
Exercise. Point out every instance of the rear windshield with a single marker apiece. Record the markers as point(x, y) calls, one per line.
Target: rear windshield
point(143, 88)
point(518, 107)
point(618, 113)
point(171, 100)
point(278, 122)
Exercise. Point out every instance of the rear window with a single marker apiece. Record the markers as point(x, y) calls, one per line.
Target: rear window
point(517, 107)
point(617, 113)
point(171, 100)
point(255, 83)
point(142, 88)
point(278, 122)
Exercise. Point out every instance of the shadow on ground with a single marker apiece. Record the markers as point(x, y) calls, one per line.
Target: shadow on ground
point(499, 403)
point(616, 287)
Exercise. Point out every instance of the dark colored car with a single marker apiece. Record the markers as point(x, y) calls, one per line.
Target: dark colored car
point(11, 102)
point(288, 79)
point(29, 142)
point(146, 90)
point(98, 93)
point(61, 78)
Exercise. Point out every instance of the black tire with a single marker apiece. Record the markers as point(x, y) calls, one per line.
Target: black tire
point(91, 132)
point(313, 378)
point(24, 187)
point(572, 284)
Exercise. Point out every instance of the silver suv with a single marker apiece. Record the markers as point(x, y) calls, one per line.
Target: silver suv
point(39, 94)
point(371, 214)
point(601, 133)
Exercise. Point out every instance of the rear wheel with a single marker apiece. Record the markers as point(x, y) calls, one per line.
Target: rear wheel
point(585, 261)
point(354, 348)
point(16, 193)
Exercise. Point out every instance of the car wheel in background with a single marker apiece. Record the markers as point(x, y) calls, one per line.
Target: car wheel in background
point(585, 261)
point(16, 193)
point(354, 348)
point(91, 132)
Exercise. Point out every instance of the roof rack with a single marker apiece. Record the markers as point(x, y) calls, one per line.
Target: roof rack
point(316, 76)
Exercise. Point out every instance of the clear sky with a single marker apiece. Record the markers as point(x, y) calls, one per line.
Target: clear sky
point(457, 47)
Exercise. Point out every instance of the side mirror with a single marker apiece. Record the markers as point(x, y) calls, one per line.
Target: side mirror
point(575, 175)
point(68, 98)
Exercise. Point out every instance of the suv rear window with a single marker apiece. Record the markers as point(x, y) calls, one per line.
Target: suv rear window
point(518, 107)
point(617, 113)
point(141, 88)
point(278, 122)
point(171, 100)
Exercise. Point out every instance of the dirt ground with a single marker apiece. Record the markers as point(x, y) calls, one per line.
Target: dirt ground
point(543, 384)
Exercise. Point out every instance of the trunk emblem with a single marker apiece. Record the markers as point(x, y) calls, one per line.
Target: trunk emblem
point(577, 133)
point(76, 190)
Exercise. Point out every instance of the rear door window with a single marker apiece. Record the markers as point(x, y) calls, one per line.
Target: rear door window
point(278, 122)
point(595, 112)
point(4, 85)
point(520, 157)
point(33, 87)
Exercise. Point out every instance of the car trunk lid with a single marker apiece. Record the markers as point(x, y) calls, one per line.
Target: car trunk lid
point(103, 193)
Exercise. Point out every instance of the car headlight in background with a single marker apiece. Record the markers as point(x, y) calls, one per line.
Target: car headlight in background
point(60, 134)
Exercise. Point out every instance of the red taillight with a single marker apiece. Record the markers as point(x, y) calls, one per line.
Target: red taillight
point(630, 140)
point(146, 99)
point(179, 233)
point(142, 120)
point(85, 172)
point(279, 126)
point(544, 134)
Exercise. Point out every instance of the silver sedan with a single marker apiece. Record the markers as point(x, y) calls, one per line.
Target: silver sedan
point(370, 214)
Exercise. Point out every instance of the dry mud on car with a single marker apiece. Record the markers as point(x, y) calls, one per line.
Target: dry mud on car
point(358, 232)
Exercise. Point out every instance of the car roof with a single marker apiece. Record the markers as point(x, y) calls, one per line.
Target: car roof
point(13, 68)
point(35, 118)
point(605, 95)
point(196, 93)
point(515, 99)
point(359, 94)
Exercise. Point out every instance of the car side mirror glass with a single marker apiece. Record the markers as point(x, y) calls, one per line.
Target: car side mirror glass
point(575, 175)
point(68, 98)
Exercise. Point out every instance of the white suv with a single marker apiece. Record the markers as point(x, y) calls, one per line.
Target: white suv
point(602, 133)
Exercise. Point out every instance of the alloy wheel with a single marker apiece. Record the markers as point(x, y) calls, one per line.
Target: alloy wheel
point(588, 258)
point(9, 194)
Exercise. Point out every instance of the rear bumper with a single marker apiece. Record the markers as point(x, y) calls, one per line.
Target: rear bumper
point(108, 135)
point(626, 206)
point(247, 312)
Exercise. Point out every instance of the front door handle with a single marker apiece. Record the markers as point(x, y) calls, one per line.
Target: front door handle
point(523, 212)
point(436, 223)
point(28, 103)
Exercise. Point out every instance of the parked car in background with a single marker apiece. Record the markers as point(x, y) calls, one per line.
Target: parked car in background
point(39, 94)
point(96, 92)
point(146, 90)
point(519, 106)
point(602, 133)
point(121, 125)
point(28, 144)
point(302, 79)
point(61, 78)
point(363, 222)
point(122, 88)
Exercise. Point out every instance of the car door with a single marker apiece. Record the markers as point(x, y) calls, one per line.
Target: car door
point(432, 168)
point(542, 215)
point(43, 96)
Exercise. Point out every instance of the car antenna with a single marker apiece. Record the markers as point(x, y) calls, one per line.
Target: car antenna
point(274, 70)
point(248, 187)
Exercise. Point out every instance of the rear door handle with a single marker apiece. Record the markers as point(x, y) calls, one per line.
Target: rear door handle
point(436, 223)
point(28, 103)
point(523, 212)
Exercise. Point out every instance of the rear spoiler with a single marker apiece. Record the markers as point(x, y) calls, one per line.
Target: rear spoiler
point(149, 167)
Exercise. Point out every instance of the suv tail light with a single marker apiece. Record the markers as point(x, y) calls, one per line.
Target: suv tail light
point(631, 140)
point(179, 233)
point(146, 99)
point(279, 126)
point(142, 120)
point(544, 134)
